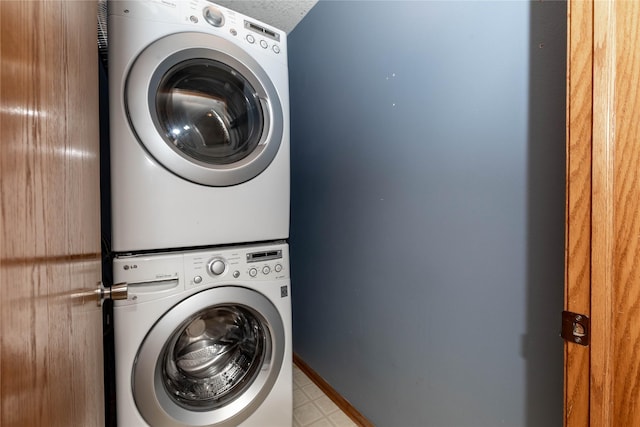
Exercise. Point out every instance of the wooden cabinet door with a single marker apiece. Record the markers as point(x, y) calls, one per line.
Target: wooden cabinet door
point(50, 334)
point(602, 381)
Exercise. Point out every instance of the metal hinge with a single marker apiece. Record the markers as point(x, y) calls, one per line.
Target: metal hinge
point(575, 328)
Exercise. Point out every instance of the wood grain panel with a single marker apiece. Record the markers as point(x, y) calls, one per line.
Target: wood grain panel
point(578, 197)
point(626, 269)
point(615, 367)
point(602, 230)
point(51, 341)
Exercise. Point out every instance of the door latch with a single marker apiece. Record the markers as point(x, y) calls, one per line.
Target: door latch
point(575, 328)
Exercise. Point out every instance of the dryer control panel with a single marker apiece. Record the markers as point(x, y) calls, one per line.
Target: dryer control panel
point(248, 32)
point(206, 16)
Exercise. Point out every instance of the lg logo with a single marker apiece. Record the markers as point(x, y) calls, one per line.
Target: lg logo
point(132, 266)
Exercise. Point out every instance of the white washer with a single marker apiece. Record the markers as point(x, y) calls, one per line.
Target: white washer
point(204, 338)
point(199, 126)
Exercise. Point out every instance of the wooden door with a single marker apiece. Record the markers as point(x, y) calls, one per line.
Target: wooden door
point(602, 381)
point(50, 334)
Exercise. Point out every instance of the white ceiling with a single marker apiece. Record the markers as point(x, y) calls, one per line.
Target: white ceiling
point(282, 14)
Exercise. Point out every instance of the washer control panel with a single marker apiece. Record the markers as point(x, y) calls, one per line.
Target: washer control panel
point(154, 276)
point(217, 266)
point(236, 264)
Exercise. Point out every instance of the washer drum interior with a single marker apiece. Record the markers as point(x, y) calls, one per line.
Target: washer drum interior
point(213, 357)
point(211, 360)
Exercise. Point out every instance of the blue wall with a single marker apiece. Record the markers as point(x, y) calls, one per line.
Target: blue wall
point(428, 208)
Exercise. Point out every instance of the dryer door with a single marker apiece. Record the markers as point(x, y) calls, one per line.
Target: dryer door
point(210, 361)
point(204, 109)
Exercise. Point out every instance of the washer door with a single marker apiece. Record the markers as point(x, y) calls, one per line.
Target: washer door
point(204, 109)
point(209, 361)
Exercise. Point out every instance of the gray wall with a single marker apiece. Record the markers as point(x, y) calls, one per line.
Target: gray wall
point(428, 208)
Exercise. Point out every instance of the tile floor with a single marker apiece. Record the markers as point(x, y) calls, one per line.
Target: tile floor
point(312, 408)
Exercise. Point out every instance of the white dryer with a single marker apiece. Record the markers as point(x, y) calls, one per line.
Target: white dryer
point(204, 338)
point(199, 126)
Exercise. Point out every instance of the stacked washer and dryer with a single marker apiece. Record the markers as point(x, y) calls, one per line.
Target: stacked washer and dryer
point(199, 137)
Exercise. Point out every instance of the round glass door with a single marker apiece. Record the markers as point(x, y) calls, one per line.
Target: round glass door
point(209, 112)
point(213, 356)
point(211, 360)
point(204, 109)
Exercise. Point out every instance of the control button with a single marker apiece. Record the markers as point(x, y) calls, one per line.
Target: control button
point(251, 39)
point(193, 19)
point(217, 266)
point(197, 279)
point(266, 269)
point(276, 48)
point(236, 274)
point(233, 32)
point(253, 272)
point(264, 44)
point(213, 16)
point(278, 268)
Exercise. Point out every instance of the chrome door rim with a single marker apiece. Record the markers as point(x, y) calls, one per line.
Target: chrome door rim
point(139, 103)
point(150, 396)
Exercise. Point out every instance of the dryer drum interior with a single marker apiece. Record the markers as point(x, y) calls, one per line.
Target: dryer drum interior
point(209, 111)
point(213, 356)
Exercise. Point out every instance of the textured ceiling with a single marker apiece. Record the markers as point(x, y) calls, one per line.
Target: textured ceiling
point(282, 14)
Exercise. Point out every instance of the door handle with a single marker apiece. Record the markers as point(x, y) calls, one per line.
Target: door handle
point(117, 291)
